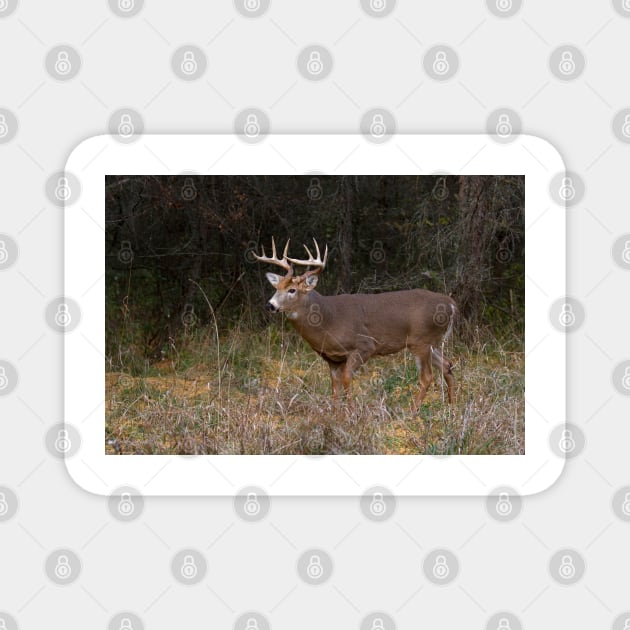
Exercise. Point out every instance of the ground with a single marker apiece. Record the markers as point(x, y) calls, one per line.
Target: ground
point(269, 393)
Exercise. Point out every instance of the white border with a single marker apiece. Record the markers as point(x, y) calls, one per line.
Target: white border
point(302, 475)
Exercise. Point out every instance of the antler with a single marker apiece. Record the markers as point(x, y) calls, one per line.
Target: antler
point(312, 261)
point(274, 260)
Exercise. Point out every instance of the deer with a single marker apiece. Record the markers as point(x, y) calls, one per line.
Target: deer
point(347, 329)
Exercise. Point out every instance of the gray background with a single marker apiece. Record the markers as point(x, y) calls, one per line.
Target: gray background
point(127, 62)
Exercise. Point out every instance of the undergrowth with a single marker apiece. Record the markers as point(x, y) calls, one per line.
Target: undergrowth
point(267, 392)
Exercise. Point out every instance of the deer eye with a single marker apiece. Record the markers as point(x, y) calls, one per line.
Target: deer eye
point(291, 290)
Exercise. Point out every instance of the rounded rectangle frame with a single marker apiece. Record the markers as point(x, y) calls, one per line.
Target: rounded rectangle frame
point(331, 475)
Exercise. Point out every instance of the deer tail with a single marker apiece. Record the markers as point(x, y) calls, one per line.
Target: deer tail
point(449, 330)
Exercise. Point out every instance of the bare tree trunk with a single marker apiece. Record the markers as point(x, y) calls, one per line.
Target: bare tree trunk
point(475, 211)
point(345, 236)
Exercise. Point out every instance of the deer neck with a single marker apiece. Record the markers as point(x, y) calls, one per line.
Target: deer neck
point(309, 316)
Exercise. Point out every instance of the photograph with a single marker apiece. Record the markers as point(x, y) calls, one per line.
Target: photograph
point(314, 314)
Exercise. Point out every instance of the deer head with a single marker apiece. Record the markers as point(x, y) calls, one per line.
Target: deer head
point(290, 289)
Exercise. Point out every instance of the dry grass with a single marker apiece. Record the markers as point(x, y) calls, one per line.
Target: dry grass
point(268, 393)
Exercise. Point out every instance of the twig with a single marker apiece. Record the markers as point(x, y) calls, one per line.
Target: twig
point(216, 328)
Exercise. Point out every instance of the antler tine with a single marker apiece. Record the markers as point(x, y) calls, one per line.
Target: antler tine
point(312, 260)
point(274, 260)
point(319, 256)
point(308, 251)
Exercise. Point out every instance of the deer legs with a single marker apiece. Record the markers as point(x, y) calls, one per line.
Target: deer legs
point(428, 357)
point(425, 374)
point(446, 368)
point(336, 370)
point(341, 373)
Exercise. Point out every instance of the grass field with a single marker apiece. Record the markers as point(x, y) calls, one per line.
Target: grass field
point(269, 393)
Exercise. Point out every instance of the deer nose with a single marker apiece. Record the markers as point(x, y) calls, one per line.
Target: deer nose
point(270, 307)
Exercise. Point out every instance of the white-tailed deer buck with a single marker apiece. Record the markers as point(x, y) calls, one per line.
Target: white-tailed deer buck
point(346, 330)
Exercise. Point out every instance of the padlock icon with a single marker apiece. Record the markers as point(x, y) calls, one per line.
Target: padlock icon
point(4, 254)
point(625, 128)
point(252, 504)
point(252, 126)
point(440, 63)
point(567, 316)
point(504, 5)
point(126, 5)
point(378, 506)
point(189, 190)
point(251, 624)
point(62, 569)
point(504, 624)
point(315, 190)
point(125, 255)
point(62, 63)
point(504, 506)
point(62, 190)
point(377, 624)
point(377, 126)
point(440, 316)
point(4, 507)
point(378, 5)
point(567, 441)
point(440, 191)
point(126, 506)
point(503, 254)
point(504, 126)
point(315, 316)
point(625, 381)
point(125, 624)
point(125, 127)
point(4, 381)
point(377, 254)
point(3, 623)
point(626, 7)
point(626, 623)
point(62, 316)
point(567, 568)
point(314, 570)
point(625, 506)
point(189, 63)
point(188, 316)
point(189, 569)
point(252, 5)
point(4, 128)
point(567, 189)
point(63, 443)
point(4, 5)
point(440, 568)
point(314, 64)
point(567, 63)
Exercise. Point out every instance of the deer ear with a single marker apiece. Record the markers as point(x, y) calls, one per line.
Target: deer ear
point(311, 283)
point(273, 278)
